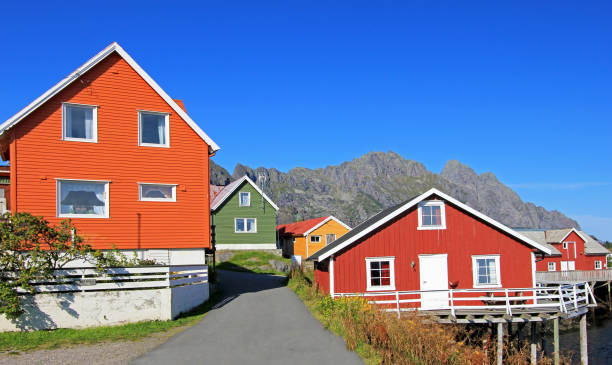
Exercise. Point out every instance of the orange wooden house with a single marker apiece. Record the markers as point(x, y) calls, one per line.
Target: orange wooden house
point(109, 149)
point(307, 237)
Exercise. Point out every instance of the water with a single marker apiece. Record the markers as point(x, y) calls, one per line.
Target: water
point(599, 336)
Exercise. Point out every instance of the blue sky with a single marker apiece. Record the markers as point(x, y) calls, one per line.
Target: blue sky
point(519, 89)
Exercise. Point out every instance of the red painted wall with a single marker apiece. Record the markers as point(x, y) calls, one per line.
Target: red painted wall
point(322, 276)
point(464, 236)
point(583, 262)
point(39, 156)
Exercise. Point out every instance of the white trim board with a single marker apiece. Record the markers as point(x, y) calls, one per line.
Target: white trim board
point(239, 183)
point(575, 231)
point(448, 198)
point(113, 47)
point(245, 246)
point(331, 217)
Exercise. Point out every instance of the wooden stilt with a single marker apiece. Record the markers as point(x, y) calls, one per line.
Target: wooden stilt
point(556, 341)
point(534, 344)
point(500, 343)
point(609, 298)
point(584, 355)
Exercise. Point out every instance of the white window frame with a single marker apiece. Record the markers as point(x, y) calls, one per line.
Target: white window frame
point(391, 285)
point(245, 225)
point(475, 271)
point(600, 265)
point(145, 199)
point(431, 203)
point(565, 244)
point(248, 193)
point(330, 234)
point(167, 129)
point(311, 237)
point(94, 126)
point(552, 266)
point(58, 194)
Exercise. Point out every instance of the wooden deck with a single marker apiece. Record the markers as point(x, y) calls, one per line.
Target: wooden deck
point(577, 276)
point(488, 305)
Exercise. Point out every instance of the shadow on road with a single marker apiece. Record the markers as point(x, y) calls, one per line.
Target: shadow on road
point(233, 284)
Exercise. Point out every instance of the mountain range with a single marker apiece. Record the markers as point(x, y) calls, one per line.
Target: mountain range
point(357, 189)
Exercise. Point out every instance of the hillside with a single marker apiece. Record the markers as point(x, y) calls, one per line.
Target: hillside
point(355, 190)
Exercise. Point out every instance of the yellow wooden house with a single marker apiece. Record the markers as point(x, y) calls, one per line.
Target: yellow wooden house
point(307, 237)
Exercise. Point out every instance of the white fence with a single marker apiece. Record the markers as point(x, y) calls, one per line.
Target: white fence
point(82, 297)
point(562, 298)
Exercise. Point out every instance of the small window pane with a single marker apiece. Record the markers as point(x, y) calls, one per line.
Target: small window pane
point(245, 199)
point(82, 198)
point(153, 128)
point(156, 192)
point(79, 122)
point(239, 225)
point(251, 225)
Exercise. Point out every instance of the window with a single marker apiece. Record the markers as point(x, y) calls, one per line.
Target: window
point(565, 245)
point(597, 265)
point(486, 271)
point(245, 225)
point(315, 239)
point(552, 266)
point(380, 273)
point(153, 129)
point(79, 123)
point(82, 199)
point(329, 238)
point(245, 199)
point(157, 192)
point(431, 215)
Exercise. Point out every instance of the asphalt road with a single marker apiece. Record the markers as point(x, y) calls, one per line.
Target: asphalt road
point(259, 321)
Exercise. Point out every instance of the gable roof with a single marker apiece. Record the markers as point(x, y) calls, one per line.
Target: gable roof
point(304, 228)
point(227, 190)
point(113, 47)
point(390, 213)
point(546, 237)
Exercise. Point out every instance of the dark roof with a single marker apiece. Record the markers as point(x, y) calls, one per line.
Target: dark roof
point(361, 227)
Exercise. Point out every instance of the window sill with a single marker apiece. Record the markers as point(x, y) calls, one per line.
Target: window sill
point(158, 200)
point(68, 139)
point(487, 286)
point(87, 216)
point(381, 288)
point(153, 145)
point(244, 232)
point(423, 228)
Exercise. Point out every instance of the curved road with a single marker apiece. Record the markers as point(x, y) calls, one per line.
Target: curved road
point(259, 321)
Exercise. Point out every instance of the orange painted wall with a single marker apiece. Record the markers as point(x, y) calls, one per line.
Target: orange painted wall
point(39, 156)
point(330, 227)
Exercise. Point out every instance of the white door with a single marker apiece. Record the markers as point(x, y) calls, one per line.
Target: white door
point(563, 265)
point(434, 276)
point(571, 265)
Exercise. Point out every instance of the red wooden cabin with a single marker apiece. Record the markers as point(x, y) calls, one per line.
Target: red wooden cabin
point(572, 250)
point(109, 149)
point(432, 242)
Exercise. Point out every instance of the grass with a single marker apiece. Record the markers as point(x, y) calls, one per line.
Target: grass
point(253, 261)
point(382, 338)
point(47, 339)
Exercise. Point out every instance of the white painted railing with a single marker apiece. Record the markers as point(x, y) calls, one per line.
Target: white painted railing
point(573, 276)
point(90, 279)
point(562, 298)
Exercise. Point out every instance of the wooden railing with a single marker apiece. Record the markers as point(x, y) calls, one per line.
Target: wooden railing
point(89, 279)
point(552, 277)
point(561, 298)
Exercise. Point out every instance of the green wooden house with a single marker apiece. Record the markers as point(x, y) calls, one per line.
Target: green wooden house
point(242, 217)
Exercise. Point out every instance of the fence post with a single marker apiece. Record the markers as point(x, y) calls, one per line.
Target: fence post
point(397, 303)
point(575, 298)
point(452, 302)
point(508, 309)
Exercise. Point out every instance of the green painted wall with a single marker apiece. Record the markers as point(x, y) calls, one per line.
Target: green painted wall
point(223, 218)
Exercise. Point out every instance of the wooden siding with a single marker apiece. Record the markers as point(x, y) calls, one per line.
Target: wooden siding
point(303, 247)
point(259, 209)
point(39, 156)
point(583, 262)
point(464, 237)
